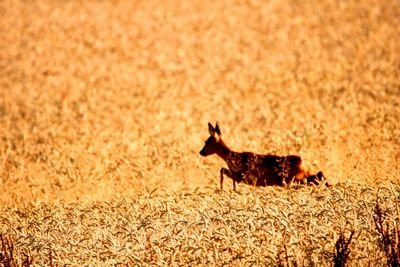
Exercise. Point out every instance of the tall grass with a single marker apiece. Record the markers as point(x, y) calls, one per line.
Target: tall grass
point(104, 107)
point(106, 99)
point(272, 226)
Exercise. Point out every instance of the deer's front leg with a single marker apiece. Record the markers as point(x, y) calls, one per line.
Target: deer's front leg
point(235, 178)
point(224, 171)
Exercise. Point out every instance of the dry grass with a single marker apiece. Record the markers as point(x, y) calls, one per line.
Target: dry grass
point(389, 232)
point(268, 226)
point(101, 101)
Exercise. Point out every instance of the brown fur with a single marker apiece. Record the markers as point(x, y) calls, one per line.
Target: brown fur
point(256, 169)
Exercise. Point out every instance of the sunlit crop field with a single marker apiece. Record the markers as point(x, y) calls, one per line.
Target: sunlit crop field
point(103, 102)
point(272, 226)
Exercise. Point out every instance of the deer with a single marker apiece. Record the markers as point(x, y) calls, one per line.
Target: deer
point(256, 169)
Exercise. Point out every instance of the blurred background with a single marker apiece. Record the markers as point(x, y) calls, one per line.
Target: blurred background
point(103, 99)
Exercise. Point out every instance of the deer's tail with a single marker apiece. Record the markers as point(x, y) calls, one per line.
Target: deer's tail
point(313, 179)
point(317, 179)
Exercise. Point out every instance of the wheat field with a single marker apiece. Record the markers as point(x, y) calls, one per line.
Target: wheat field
point(104, 108)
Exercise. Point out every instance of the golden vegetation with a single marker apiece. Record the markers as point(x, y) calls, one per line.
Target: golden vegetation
point(101, 101)
point(268, 226)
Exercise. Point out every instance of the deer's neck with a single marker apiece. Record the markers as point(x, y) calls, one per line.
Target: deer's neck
point(223, 150)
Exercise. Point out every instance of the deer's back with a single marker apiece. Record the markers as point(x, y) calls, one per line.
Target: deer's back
point(265, 170)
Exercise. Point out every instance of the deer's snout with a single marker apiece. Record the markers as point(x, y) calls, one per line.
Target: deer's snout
point(202, 153)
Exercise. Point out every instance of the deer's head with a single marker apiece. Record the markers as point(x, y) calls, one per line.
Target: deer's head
point(211, 145)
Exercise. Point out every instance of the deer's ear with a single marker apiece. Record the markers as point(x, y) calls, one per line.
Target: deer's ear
point(217, 129)
point(211, 129)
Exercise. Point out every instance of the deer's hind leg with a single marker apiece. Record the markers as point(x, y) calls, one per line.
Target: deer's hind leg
point(235, 178)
